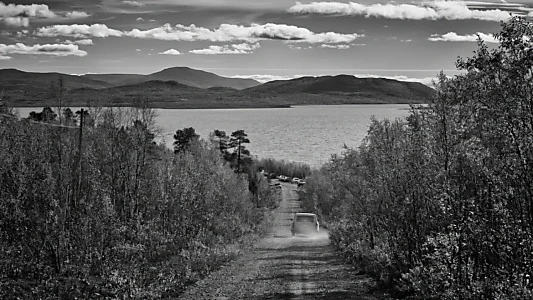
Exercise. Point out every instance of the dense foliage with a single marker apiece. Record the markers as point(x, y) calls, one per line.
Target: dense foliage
point(440, 205)
point(123, 217)
point(286, 168)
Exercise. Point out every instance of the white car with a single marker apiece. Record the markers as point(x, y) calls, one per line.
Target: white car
point(295, 180)
point(305, 223)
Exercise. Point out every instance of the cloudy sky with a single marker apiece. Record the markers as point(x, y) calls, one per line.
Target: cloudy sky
point(262, 39)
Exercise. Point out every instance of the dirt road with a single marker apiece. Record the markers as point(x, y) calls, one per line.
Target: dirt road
point(283, 267)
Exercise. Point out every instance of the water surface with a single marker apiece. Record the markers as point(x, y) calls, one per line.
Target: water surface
point(308, 134)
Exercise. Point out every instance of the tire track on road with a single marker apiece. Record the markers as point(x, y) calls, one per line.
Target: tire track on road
point(284, 267)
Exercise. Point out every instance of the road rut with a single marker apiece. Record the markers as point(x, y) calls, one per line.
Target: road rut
point(284, 267)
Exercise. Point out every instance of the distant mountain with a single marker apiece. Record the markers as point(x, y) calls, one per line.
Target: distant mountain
point(188, 88)
point(155, 86)
point(28, 88)
point(184, 75)
point(13, 79)
point(202, 79)
point(117, 79)
point(346, 85)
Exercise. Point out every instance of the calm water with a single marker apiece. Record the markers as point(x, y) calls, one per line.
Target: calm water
point(307, 134)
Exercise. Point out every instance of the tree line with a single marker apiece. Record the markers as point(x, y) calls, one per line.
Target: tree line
point(113, 214)
point(440, 205)
point(286, 168)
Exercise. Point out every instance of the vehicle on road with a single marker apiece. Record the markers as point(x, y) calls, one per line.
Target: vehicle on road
point(295, 180)
point(275, 184)
point(305, 223)
point(301, 183)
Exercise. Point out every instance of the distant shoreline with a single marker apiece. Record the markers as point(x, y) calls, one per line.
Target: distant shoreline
point(158, 107)
point(213, 106)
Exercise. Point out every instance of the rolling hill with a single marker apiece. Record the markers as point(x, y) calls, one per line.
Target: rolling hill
point(346, 85)
point(204, 90)
point(155, 86)
point(13, 79)
point(117, 79)
point(184, 75)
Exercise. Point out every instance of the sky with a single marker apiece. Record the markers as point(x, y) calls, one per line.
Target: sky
point(265, 40)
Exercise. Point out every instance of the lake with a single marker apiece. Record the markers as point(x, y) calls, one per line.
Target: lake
point(308, 134)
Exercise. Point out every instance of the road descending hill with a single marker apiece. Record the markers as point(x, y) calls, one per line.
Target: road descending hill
point(283, 267)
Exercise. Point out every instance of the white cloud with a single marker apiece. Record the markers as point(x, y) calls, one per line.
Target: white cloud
point(171, 52)
point(132, 3)
point(17, 22)
point(33, 10)
point(19, 15)
point(48, 49)
point(79, 31)
point(84, 42)
point(454, 37)
point(22, 33)
point(251, 34)
point(339, 47)
point(224, 33)
point(295, 47)
point(434, 10)
point(228, 49)
point(77, 15)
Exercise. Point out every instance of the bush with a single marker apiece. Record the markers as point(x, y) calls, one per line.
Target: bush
point(439, 205)
point(281, 167)
point(131, 219)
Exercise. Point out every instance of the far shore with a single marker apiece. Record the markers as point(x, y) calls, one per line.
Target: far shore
point(181, 106)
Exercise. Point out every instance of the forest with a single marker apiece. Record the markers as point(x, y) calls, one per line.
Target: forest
point(92, 207)
point(435, 206)
point(440, 205)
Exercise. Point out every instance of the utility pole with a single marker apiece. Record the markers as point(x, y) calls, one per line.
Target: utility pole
point(80, 154)
point(60, 89)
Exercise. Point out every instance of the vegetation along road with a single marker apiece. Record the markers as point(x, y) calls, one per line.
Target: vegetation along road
point(283, 267)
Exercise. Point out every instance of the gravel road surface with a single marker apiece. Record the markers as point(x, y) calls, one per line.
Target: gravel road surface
point(284, 267)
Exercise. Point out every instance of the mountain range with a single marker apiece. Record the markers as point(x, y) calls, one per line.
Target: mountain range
point(182, 87)
point(184, 75)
